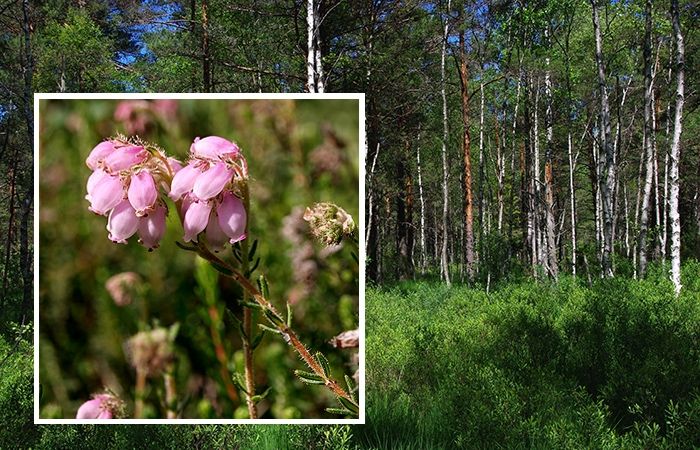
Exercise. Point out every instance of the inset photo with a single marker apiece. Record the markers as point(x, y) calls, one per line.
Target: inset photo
point(198, 259)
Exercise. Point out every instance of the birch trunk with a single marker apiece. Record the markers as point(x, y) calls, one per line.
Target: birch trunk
point(676, 151)
point(648, 150)
point(444, 267)
point(422, 210)
point(607, 182)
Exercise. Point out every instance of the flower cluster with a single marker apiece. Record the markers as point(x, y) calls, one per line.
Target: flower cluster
point(329, 223)
point(209, 188)
point(124, 187)
point(151, 351)
point(127, 180)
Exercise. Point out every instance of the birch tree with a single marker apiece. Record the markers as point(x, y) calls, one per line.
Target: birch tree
point(673, 214)
point(607, 180)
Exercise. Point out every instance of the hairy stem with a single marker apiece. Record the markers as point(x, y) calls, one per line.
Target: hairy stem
point(248, 327)
point(287, 333)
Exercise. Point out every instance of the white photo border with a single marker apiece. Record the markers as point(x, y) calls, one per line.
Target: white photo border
point(360, 97)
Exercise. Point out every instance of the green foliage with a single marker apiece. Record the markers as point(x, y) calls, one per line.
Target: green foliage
point(16, 393)
point(537, 364)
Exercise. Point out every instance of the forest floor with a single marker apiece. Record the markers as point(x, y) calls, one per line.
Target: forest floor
point(535, 364)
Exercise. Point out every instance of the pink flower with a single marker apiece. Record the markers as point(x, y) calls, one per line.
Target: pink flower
point(142, 192)
point(232, 217)
point(213, 147)
point(175, 165)
point(196, 219)
point(152, 228)
point(122, 223)
point(125, 158)
point(102, 406)
point(183, 181)
point(104, 192)
point(167, 108)
point(99, 153)
point(211, 182)
point(215, 235)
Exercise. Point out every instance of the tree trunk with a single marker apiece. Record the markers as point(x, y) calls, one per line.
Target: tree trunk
point(422, 210)
point(466, 153)
point(607, 182)
point(314, 69)
point(444, 268)
point(548, 176)
point(206, 63)
point(673, 214)
point(26, 262)
point(648, 150)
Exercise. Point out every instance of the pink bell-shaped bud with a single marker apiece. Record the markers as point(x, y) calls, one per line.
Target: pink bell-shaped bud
point(213, 147)
point(211, 182)
point(122, 223)
point(142, 192)
point(196, 219)
point(105, 193)
point(125, 158)
point(175, 165)
point(232, 217)
point(99, 153)
point(152, 228)
point(183, 181)
point(216, 238)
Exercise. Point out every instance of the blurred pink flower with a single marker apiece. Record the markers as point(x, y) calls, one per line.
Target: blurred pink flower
point(133, 114)
point(102, 406)
point(166, 108)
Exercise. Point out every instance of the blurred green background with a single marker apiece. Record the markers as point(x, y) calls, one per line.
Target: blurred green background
point(299, 152)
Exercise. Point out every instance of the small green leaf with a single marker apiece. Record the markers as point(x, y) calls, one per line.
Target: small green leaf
point(270, 329)
point(351, 387)
point(257, 340)
point(252, 269)
point(323, 362)
point(251, 305)
point(348, 404)
point(309, 377)
point(239, 382)
point(341, 411)
point(274, 318)
point(259, 397)
point(172, 331)
point(253, 249)
point(263, 286)
point(289, 315)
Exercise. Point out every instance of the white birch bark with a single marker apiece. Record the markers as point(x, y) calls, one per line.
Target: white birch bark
point(444, 266)
point(676, 152)
point(422, 210)
point(607, 182)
